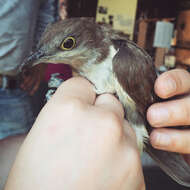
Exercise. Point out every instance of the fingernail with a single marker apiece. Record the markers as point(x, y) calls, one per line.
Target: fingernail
point(160, 139)
point(159, 116)
point(171, 86)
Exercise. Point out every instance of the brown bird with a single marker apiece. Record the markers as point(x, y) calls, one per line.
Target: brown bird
point(114, 65)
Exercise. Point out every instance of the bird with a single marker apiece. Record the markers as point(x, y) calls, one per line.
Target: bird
point(113, 64)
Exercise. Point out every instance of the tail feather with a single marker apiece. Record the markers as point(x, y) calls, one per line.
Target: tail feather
point(171, 163)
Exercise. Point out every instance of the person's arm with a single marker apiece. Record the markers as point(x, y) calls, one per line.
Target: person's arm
point(78, 142)
point(175, 112)
point(48, 13)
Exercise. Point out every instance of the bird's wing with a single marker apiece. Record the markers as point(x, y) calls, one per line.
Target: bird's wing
point(136, 73)
point(171, 163)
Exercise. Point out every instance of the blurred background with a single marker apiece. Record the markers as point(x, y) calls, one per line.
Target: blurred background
point(161, 27)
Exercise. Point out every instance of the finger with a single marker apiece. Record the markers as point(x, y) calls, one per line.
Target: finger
point(172, 83)
point(111, 104)
point(35, 87)
point(171, 140)
point(31, 82)
point(171, 113)
point(27, 83)
point(24, 82)
point(76, 88)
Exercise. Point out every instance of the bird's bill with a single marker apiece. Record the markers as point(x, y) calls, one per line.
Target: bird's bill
point(34, 58)
point(37, 58)
point(31, 60)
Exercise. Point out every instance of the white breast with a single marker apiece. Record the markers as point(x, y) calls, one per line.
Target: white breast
point(101, 74)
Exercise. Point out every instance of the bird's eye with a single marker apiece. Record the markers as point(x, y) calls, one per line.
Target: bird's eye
point(68, 43)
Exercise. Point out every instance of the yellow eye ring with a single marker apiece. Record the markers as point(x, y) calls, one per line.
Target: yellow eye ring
point(68, 43)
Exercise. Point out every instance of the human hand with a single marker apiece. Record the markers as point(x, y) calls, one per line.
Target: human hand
point(175, 112)
point(78, 142)
point(32, 78)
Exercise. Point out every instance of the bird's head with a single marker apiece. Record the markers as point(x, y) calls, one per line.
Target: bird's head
point(72, 41)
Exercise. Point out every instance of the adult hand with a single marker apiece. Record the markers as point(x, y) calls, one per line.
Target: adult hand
point(32, 78)
point(175, 112)
point(78, 142)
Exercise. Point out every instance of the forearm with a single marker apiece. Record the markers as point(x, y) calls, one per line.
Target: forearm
point(70, 147)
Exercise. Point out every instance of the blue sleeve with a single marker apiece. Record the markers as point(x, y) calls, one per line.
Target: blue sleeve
point(48, 13)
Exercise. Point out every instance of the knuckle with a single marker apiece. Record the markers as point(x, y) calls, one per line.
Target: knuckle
point(185, 114)
point(186, 144)
point(175, 76)
point(112, 123)
point(179, 82)
point(175, 143)
point(179, 144)
point(73, 105)
point(179, 112)
point(180, 76)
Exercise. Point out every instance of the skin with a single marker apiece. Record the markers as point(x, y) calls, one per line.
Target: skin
point(32, 78)
point(171, 113)
point(78, 142)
